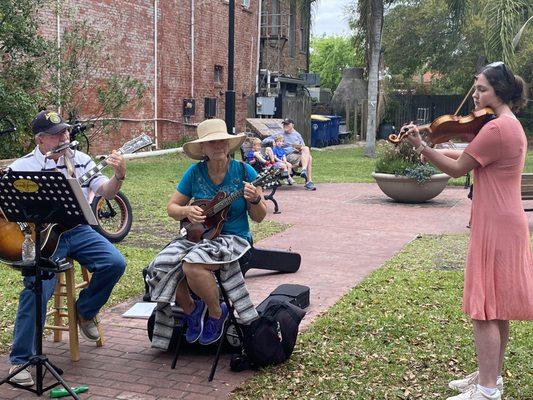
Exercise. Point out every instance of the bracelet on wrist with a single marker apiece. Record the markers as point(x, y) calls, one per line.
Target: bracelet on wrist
point(420, 148)
point(119, 179)
point(256, 201)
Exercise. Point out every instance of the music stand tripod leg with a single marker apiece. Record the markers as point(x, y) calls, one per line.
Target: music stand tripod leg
point(39, 359)
point(42, 360)
point(43, 197)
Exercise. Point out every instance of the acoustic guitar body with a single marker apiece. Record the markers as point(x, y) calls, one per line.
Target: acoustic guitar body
point(12, 237)
point(212, 225)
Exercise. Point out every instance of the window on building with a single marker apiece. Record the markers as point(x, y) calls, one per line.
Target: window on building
point(304, 38)
point(218, 74)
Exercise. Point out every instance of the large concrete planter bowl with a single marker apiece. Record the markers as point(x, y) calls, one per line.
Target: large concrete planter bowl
point(406, 190)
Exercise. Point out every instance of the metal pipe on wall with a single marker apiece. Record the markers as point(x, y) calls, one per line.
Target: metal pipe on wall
point(156, 7)
point(230, 92)
point(192, 48)
point(259, 16)
point(58, 40)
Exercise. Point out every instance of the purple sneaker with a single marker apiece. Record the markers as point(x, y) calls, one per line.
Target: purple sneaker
point(310, 186)
point(214, 327)
point(195, 321)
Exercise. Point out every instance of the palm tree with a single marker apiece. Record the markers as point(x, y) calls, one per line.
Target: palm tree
point(371, 19)
point(503, 19)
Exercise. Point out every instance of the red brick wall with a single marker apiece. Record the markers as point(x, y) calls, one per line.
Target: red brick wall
point(127, 30)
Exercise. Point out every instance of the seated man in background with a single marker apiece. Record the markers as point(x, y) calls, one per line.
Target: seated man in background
point(298, 154)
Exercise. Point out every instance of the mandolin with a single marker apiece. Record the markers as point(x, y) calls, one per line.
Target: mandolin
point(216, 209)
point(12, 233)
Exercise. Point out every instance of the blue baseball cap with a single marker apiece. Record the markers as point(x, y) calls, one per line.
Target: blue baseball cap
point(48, 122)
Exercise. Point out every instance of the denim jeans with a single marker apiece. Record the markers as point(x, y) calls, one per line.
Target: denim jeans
point(92, 251)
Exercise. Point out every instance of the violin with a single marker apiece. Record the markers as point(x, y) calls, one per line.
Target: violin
point(447, 127)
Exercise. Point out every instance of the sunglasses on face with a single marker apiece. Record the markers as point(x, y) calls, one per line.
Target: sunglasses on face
point(501, 66)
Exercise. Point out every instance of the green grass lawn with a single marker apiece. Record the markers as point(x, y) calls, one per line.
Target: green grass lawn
point(350, 165)
point(400, 334)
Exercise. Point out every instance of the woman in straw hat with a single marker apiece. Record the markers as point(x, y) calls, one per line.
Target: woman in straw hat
point(216, 172)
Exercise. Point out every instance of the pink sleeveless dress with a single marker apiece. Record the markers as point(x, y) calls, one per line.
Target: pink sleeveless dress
point(499, 267)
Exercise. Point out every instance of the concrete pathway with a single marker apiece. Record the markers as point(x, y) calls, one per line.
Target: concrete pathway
point(342, 231)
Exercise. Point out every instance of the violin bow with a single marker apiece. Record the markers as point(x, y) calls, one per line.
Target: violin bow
point(464, 100)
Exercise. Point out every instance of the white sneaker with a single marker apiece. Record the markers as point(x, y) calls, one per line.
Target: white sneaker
point(462, 385)
point(23, 378)
point(473, 393)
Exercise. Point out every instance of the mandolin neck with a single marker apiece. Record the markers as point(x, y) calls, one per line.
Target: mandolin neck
point(226, 201)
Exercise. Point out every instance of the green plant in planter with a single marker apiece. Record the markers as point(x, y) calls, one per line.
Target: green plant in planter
point(401, 159)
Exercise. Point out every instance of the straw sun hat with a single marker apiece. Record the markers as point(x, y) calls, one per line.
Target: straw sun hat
point(210, 130)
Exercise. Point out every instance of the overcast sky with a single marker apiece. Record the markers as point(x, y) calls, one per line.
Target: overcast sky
point(329, 18)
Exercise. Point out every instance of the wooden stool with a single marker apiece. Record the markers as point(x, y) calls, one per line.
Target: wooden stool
point(64, 310)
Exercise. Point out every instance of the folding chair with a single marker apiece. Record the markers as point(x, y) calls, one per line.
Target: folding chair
point(181, 328)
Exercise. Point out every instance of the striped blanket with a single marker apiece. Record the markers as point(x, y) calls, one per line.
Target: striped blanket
point(165, 272)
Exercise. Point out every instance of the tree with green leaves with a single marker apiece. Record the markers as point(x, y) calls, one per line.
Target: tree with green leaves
point(433, 43)
point(330, 55)
point(439, 41)
point(469, 27)
point(21, 68)
point(35, 74)
point(74, 88)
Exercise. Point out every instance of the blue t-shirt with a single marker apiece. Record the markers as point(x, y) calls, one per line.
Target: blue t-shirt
point(250, 157)
point(289, 140)
point(197, 185)
point(279, 152)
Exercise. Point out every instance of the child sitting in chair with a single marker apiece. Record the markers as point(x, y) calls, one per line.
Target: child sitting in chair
point(280, 158)
point(257, 159)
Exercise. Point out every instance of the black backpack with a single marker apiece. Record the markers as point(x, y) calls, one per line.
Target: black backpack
point(270, 339)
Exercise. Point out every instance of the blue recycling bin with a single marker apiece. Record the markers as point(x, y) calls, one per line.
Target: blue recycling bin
point(333, 129)
point(319, 131)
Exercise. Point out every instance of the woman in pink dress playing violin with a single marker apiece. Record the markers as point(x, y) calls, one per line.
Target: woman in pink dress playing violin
point(499, 268)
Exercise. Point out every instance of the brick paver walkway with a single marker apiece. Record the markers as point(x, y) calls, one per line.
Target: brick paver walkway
point(342, 231)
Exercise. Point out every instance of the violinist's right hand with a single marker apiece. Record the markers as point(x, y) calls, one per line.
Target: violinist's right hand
point(194, 214)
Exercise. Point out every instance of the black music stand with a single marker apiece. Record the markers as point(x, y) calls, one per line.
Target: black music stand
point(40, 198)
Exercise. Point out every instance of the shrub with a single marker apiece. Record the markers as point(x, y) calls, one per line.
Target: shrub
point(401, 159)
